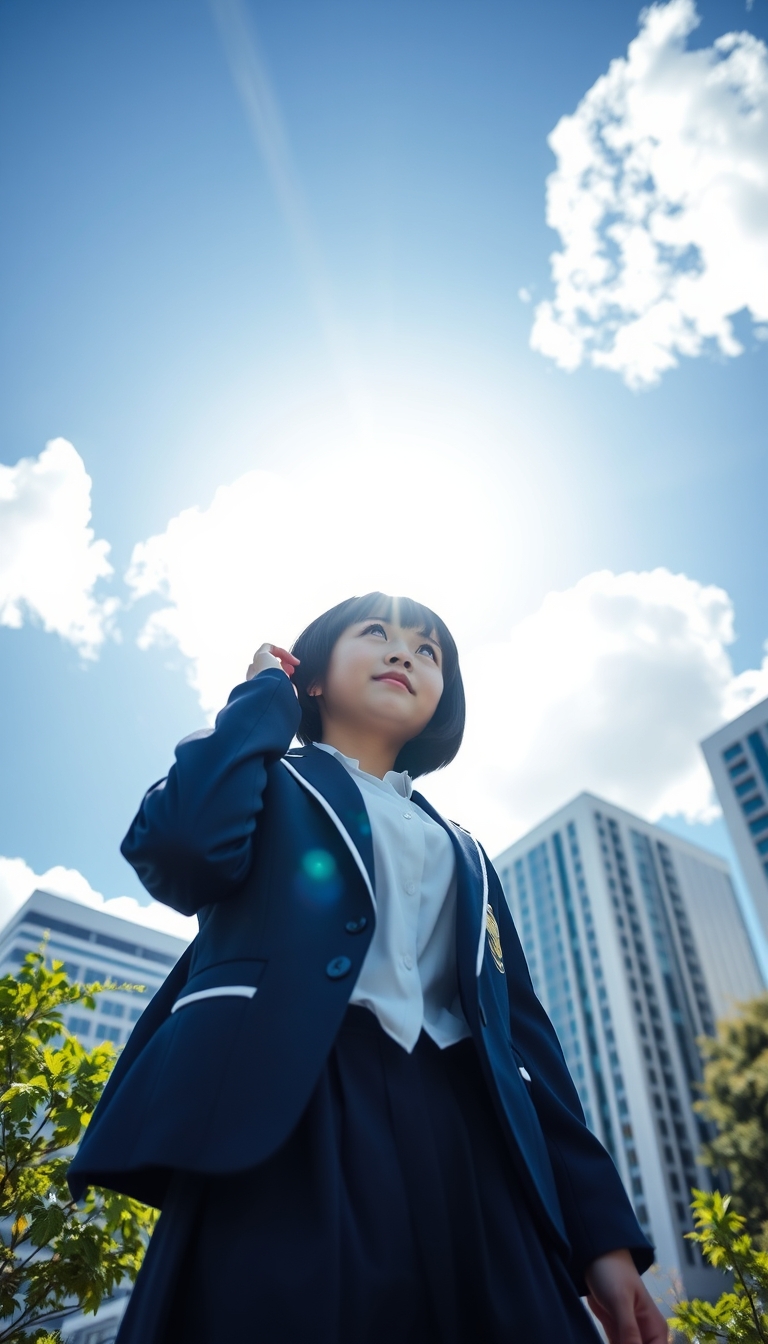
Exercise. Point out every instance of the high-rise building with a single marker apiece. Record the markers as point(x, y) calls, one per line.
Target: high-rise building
point(94, 946)
point(737, 756)
point(636, 945)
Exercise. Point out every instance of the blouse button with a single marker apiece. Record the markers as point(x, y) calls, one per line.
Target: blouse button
point(408, 961)
point(407, 815)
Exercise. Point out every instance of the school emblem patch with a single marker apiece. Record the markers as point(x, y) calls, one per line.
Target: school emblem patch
point(494, 941)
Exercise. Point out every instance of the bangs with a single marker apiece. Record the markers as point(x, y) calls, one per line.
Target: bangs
point(410, 614)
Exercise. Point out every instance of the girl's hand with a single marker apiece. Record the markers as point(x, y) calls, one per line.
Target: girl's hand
point(621, 1302)
point(271, 655)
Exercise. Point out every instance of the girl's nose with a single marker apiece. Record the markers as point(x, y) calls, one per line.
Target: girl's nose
point(395, 658)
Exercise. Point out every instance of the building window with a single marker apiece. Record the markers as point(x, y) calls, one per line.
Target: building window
point(732, 752)
point(80, 1026)
point(759, 752)
point(105, 1033)
point(752, 804)
point(739, 769)
point(111, 1009)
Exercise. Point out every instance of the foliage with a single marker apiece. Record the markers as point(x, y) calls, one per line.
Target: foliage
point(735, 1097)
point(740, 1316)
point(55, 1256)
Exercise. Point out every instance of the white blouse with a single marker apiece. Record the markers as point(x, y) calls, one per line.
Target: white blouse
point(409, 977)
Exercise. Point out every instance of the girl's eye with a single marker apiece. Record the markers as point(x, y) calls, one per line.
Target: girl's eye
point(428, 649)
point(375, 629)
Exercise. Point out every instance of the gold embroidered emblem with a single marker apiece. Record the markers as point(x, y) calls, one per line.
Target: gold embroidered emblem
point(494, 941)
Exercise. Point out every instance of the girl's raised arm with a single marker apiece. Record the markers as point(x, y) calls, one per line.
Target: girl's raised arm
point(191, 842)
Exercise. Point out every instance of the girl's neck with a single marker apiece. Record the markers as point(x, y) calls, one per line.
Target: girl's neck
point(374, 756)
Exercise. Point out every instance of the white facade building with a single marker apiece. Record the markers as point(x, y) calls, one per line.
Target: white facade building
point(636, 945)
point(93, 946)
point(737, 756)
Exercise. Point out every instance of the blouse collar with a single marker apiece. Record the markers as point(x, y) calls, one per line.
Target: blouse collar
point(397, 780)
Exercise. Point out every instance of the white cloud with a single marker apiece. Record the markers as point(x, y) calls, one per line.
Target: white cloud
point(18, 881)
point(49, 561)
point(273, 551)
point(609, 687)
point(660, 197)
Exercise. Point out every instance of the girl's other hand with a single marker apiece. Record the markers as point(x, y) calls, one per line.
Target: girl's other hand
point(621, 1302)
point(271, 655)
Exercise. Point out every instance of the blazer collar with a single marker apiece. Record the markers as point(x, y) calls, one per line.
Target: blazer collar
point(326, 776)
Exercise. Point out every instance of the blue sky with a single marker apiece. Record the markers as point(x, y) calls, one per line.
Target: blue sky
point(331, 297)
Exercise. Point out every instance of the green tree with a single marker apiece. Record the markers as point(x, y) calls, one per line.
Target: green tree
point(735, 1097)
point(739, 1316)
point(55, 1256)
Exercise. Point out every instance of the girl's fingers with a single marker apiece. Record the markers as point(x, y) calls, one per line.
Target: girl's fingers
point(283, 655)
point(272, 655)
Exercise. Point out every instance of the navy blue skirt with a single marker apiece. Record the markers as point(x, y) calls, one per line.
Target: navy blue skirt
point(393, 1212)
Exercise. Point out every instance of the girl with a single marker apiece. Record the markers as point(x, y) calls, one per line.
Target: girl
point(346, 1098)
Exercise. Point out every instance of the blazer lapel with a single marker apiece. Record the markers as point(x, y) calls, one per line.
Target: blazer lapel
point(471, 899)
point(336, 792)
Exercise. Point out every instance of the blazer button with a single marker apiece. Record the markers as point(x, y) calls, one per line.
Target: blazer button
point(338, 968)
point(356, 925)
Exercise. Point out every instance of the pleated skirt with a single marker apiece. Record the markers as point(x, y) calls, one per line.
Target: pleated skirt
point(392, 1213)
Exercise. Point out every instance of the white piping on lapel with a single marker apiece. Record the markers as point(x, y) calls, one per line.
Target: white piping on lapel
point(481, 944)
point(338, 823)
point(484, 870)
point(218, 992)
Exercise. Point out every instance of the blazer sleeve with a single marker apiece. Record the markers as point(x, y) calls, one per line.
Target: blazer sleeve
point(596, 1209)
point(191, 842)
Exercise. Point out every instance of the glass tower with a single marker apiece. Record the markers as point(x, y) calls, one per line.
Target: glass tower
point(737, 756)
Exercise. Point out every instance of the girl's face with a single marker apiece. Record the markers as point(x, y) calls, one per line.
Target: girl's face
point(382, 678)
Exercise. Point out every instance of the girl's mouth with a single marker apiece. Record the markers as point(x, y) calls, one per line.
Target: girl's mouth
point(396, 679)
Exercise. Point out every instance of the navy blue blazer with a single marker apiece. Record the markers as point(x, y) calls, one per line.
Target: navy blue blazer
point(271, 848)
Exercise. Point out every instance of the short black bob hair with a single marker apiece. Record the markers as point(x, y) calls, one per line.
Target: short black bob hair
point(437, 743)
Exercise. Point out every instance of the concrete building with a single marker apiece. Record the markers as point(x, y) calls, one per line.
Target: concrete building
point(737, 756)
point(636, 944)
point(93, 946)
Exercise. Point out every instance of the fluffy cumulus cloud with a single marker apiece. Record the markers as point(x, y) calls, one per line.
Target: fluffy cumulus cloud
point(18, 881)
point(49, 561)
point(609, 687)
point(660, 197)
point(272, 551)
